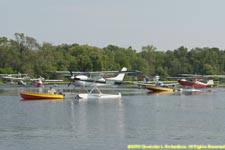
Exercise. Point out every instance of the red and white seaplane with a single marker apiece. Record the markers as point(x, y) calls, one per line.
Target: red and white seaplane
point(197, 81)
point(38, 82)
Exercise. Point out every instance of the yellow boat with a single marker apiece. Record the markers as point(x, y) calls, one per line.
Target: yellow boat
point(38, 96)
point(155, 88)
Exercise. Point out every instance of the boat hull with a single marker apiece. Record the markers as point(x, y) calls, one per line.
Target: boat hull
point(158, 88)
point(38, 96)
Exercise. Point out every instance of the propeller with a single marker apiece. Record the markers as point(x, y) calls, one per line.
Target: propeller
point(71, 77)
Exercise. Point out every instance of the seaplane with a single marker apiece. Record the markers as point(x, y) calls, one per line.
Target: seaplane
point(37, 82)
point(23, 79)
point(20, 78)
point(94, 80)
point(197, 81)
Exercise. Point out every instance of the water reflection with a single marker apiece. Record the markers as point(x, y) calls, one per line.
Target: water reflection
point(138, 117)
point(182, 92)
point(96, 119)
point(159, 92)
point(190, 93)
point(40, 100)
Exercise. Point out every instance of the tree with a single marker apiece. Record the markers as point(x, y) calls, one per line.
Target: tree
point(208, 69)
point(148, 53)
point(26, 55)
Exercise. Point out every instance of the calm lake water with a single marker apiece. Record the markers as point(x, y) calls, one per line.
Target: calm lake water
point(137, 118)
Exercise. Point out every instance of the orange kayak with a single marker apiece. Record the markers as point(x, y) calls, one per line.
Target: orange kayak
point(38, 96)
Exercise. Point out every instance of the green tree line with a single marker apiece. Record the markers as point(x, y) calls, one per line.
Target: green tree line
point(25, 55)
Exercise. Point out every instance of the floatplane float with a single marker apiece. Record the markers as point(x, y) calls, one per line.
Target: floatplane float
point(98, 95)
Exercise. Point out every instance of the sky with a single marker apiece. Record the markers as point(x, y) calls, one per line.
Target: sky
point(165, 24)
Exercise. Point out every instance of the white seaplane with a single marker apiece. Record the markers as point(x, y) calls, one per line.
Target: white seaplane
point(94, 80)
point(20, 78)
point(39, 82)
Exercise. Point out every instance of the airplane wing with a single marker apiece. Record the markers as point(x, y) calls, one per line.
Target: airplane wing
point(52, 80)
point(153, 83)
point(189, 78)
point(215, 76)
point(143, 84)
point(94, 73)
point(14, 77)
point(195, 76)
point(13, 74)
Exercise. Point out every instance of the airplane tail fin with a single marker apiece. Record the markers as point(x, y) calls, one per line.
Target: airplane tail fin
point(210, 83)
point(120, 76)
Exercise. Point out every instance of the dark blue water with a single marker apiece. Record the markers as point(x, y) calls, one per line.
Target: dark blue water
point(136, 118)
